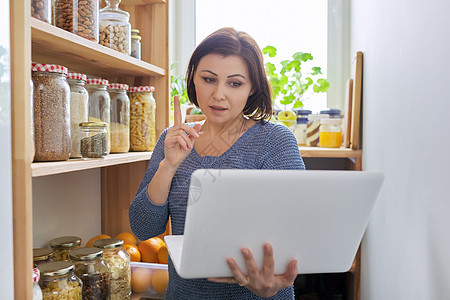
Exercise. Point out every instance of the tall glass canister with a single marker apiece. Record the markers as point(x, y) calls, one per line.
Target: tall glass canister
point(120, 118)
point(115, 28)
point(142, 118)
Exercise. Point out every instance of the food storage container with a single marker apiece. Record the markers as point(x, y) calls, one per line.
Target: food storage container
point(79, 106)
point(313, 129)
point(93, 271)
point(120, 118)
point(51, 112)
point(300, 131)
point(115, 28)
point(142, 118)
point(119, 264)
point(332, 112)
point(79, 17)
point(148, 280)
point(58, 282)
point(41, 10)
point(42, 255)
point(37, 292)
point(135, 44)
point(62, 245)
point(32, 148)
point(331, 133)
point(93, 139)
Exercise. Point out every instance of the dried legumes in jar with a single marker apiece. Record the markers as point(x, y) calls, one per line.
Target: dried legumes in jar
point(41, 10)
point(142, 118)
point(115, 28)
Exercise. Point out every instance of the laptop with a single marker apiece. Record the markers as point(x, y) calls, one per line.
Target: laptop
point(315, 217)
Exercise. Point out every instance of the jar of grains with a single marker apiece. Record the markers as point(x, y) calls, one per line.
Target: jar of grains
point(118, 261)
point(93, 272)
point(99, 104)
point(114, 27)
point(142, 118)
point(79, 17)
point(63, 245)
point(37, 292)
point(42, 255)
point(79, 107)
point(120, 117)
point(93, 139)
point(32, 151)
point(135, 44)
point(51, 112)
point(58, 282)
point(41, 10)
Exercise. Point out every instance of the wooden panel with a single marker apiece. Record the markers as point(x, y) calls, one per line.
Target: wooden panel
point(328, 152)
point(357, 69)
point(348, 112)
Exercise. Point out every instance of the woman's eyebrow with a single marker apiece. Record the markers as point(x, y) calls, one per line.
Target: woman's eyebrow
point(229, 76)
point(234, 75)
point(208, 71)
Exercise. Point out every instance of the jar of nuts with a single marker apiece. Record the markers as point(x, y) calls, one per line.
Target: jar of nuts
point(63, 245)
point(41, 10)
point(77, 16)
point(115, 28)
point(120, 117)
point(59, 282)
point(142, 118)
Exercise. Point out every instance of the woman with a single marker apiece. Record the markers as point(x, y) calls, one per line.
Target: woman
point(227, 81)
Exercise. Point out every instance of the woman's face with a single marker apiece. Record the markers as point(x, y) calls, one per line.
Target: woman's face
point(223, 85)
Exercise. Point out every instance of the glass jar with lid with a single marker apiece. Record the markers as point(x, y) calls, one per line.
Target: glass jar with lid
point(37, 292)
point(41, 10)
point(114, 27)
point(32, 151)
point(42, 255)
point(331, 133)
point(51, 112)
point(118, 261)
point(142, 118)
point(93, 139)
point(58, 281)
point(120, 117)
point(63, 245)
point(135, 43)
point(93, 271)
point(79, 105)
point(100, 104)
point(78, 17)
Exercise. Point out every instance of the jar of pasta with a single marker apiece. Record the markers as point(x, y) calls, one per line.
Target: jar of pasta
point(63, 245)
point(115, 28)
point(79, 105)
point(118, 261)
point(100, 104)
point(120, 118)
point(93, 271)
point(42, 255)
point(331, 133)
point(142, 118)
point(58, 281)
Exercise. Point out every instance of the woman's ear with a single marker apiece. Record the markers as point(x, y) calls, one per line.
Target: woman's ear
point(251, 92)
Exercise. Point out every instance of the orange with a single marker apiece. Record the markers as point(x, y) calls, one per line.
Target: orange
point(160, 279)
point(133, 251)
point(141, 280)
point(90, 243)
point(163, 254)
point(149, 249)
point(128, 238)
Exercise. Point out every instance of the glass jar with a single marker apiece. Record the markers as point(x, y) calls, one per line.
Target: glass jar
point(135, 44)
point(58, 281)
point(63, 245)
point(331, 133)
point(37, 292)
point(41, 10)
point(51, 112)
point(120, 118)
point(300, 131)
point(78, 17)
point(118, 261)
point(42, 255)
point(93, 139)
point(100, 104)
point(32, 148)
point(79, 106)
point(115, 28)
point(142, 118)
point(93, 271)
point(332, 112)
point(313, 129)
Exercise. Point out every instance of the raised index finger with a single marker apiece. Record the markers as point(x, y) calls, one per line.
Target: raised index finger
point(176, 111)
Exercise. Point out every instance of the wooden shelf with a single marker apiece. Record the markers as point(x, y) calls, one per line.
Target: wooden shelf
point(58, 167)
point(53, 45)
point(142, 2)
point(330, 152)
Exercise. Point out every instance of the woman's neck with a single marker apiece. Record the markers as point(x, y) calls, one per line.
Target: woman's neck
point(231, 128)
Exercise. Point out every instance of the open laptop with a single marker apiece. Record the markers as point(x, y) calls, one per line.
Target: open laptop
point(316, 217)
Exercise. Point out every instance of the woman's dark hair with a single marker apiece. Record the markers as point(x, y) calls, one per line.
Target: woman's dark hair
point(226, 42)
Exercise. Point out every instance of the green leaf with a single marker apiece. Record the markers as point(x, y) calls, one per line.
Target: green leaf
point(316, 71)
point(302, 56)
point(298, 104)
point(270, 50)
point(321, 86)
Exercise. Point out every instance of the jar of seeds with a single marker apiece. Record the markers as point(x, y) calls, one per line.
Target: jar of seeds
point(100, 104)
point(42, 255)
point(63, 245)
point(114, 27)
point(142, 118)
point(118, 261)
point(120, 118)
point(93, 271)
point(76, 16)
point(93, 139)
point(51, 112)
point(135, 43)
point(41, 10)
point(79, 106)
point(58, 281)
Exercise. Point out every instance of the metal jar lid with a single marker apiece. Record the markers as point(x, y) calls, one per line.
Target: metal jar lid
point(65, 242)
point(55, 268)
point(88, 253)
point(42, 254)
point(93, 124)
point(108, 243)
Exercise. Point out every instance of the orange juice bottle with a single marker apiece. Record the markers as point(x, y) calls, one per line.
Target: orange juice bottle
point(330, 133)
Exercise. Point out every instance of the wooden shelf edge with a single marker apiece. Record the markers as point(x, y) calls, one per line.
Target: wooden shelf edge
point(142, 2)
point(51, 168)
point(330, 152)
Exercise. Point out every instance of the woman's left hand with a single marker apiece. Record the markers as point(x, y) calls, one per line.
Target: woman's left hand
point(264, 282)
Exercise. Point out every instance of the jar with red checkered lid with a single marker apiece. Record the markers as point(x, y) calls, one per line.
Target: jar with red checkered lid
point(142, 118)
point(100, 104)
point(51, 112)
point(37, 292)
point(120, 117)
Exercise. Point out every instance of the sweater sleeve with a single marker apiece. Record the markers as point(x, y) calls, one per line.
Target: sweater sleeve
point(147, 219)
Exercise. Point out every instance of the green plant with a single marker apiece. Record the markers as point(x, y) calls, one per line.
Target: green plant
point(292, 81)
point(178, 87)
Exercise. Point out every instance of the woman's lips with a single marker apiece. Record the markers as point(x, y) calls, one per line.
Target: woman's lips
point(218, 108)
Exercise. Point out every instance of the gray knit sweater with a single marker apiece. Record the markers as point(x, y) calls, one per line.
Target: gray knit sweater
point(263, 146)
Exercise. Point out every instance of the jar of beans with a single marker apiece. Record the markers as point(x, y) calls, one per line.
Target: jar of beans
point(77, 16)
point(51, 112)
point(63, 245)
point(42, 255)
point(115, 28)
point(79, 105)
point(142, 118)
point(93, 271)
point(100, 104)
point(120, 118)
point(41, 10)
point(59, 282)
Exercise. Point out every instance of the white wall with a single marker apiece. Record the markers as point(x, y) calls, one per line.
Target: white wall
point(406, 250)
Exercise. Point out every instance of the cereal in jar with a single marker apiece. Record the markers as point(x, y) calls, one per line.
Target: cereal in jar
point(63, 245)
point(58, 281)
